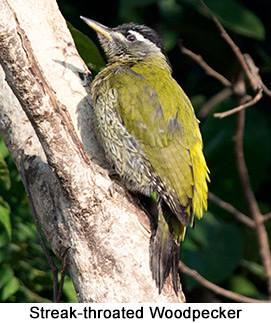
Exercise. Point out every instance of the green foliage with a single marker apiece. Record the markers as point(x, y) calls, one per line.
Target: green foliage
point(218, 138)
point(243, 286)
point(10, 288)
point(234, 16)
point(4, 173)
point(214, 248)
point(5, 218)
point(4, 186)
point(87, 49)
point(25, 275)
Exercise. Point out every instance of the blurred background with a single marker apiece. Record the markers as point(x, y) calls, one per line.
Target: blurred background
point(221, 249)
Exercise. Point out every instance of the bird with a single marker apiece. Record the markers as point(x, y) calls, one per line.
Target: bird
point(150, 135)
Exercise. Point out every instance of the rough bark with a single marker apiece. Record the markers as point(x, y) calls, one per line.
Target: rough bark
point(45, 109)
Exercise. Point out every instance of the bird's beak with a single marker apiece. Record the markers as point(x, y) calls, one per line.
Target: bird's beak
point(107, 32)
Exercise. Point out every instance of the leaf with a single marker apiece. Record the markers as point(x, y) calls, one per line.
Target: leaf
point(254, 268)
point(243, 286)
point(238, 18)
point(10, 288)
point(234, 16)
point(217, 249)
point(5, 219)
point(154, 196)
point(27, 295)
point(3, 149)
point(257, 128)
point(87, 49)
point(69, 291)
point(6, 273)
point(4, 241)
point(218, 134)
point(4, 174)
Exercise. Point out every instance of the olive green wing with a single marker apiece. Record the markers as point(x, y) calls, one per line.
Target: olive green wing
point(160, 116)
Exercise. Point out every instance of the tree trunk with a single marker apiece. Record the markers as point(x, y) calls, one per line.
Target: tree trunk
point(45, 110)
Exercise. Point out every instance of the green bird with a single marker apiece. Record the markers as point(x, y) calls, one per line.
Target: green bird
point(148, 130)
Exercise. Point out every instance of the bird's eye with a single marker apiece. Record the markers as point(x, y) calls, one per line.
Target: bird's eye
point(131, 38)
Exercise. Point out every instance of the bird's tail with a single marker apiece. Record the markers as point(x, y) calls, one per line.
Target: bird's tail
point(165, 247)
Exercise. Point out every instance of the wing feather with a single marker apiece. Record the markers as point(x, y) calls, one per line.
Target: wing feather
point(161, 118)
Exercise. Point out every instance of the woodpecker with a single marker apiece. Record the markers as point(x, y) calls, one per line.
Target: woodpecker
point(149, 132)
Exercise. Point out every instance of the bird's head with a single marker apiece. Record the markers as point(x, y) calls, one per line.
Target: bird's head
point(129, 42)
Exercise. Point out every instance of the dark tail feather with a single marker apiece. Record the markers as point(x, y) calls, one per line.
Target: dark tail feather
point(164, 252)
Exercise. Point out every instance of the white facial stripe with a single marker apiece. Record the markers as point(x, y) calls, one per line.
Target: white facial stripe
point(152, 48)
point(138, 36)
point(141, 38)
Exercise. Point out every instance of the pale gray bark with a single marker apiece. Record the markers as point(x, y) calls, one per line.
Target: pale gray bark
point(40, 89)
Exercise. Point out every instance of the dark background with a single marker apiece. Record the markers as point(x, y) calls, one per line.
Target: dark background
point(220, 248)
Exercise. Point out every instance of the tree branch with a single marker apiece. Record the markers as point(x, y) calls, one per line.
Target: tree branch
point(41, 94)
point(214, 101)
point(239, 89)
point(217, 289)
point(250, 198)
point(208, 69)
point(247, 65)
point(36, 221)
point(231, 209)
point(234, 47)
point(267, 216)
point(240, 107)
